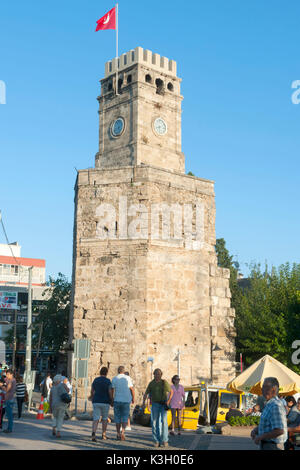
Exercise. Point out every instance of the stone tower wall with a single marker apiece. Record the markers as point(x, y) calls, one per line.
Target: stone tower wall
point(148, 298)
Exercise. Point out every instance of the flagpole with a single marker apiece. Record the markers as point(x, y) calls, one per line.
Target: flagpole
point(117, 47)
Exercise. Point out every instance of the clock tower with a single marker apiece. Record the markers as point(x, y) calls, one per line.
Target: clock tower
point(146, 287)
point(142, 123)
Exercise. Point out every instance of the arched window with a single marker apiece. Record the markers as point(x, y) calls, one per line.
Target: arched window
point(129, 79)
point(170, 86)
point(148, 78)
point(160, 88)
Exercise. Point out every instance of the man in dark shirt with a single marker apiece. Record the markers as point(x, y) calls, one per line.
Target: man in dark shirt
point(233, 411)
point(101, 396)
point(161, 394)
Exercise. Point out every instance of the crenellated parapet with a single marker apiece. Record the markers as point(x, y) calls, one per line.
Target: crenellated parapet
point(142, 56)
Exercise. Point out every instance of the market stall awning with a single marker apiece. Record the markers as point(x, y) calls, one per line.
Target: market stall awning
point(251, 380)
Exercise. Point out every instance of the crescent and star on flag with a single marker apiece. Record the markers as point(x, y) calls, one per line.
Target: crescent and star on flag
point(108, 21)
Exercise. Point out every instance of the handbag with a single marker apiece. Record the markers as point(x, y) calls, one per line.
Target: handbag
point(164, 404)
point(66, 398)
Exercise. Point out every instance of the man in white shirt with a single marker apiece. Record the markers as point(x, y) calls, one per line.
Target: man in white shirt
point(48, 384)
point(123, 395)
point(45, 386)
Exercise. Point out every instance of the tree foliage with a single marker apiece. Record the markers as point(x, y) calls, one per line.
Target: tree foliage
point(267, 309)
point(53, 317)
point(225, 260)
point(55, 314)
point(268, 314)
point(20, 336)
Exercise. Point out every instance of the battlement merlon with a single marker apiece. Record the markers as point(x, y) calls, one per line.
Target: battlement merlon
point(142, 56)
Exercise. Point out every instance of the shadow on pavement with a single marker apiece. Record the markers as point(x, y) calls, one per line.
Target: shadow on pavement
point(30, 433)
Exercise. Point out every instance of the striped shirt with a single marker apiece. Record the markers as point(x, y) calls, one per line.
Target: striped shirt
point(20, 390)
point(273, 417)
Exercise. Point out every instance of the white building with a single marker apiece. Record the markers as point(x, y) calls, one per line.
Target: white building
point(14, 283)
point(14, 269)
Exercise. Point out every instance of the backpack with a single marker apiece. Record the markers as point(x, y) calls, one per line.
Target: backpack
point(44, 390)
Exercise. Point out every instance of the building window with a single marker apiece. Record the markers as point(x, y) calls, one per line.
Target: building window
point(148, 78)
point(170, 86)
point(160, 89)
point(14, 270)
point(129, 79)
point(6, 269)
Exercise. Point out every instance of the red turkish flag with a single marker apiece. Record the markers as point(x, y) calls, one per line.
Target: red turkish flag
point(108, 21)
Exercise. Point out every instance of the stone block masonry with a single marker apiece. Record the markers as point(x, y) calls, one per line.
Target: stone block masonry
point(148, 298)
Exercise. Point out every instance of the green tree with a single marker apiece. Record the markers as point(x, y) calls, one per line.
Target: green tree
point(225, 260)
point(267, 309)
point(268, 314)
point(20, 336)
point(55, 314)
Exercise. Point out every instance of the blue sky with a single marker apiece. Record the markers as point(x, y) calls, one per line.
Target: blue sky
point(240, 128)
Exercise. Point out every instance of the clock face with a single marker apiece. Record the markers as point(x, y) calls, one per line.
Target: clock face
point(117, 127)
point(160, 126)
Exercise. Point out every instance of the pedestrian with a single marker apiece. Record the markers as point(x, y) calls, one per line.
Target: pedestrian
point(233, 411)
point(271, 433)
point(101, 397)
point(123, 395)
point(46, 385)
point(66, 381)
point(20, 394)
point(9, 399)
point(261, 401)
point(293, 412)
point(283, 401)
point(2, 398)
point(57, 405)
point(177, 403)
point(256, 411)
point(158, 390)
point(49, 384)
point(128, 427)
point(293, 430)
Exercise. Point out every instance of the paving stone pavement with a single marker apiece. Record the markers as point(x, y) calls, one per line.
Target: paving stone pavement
point(32, 434)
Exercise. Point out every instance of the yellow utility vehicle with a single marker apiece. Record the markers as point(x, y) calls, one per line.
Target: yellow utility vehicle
point(203, 405)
